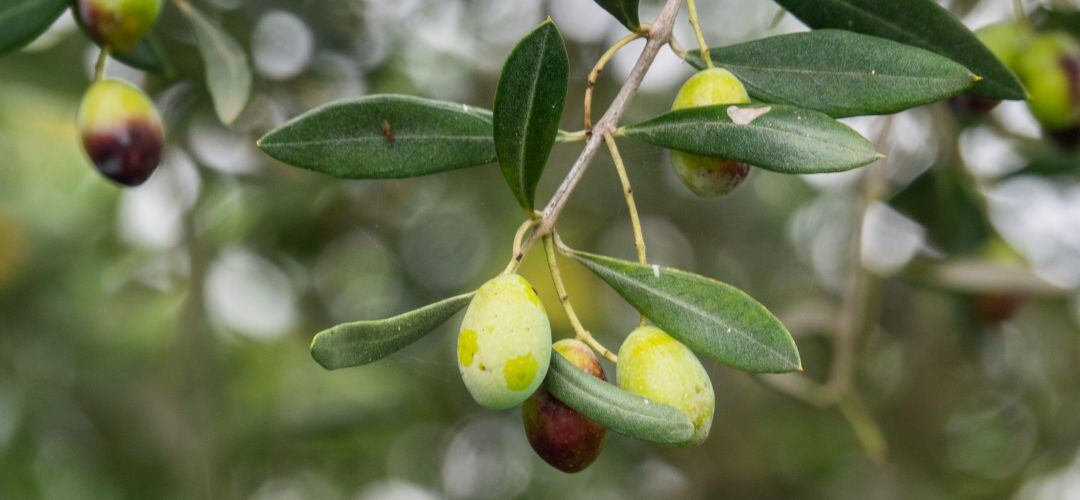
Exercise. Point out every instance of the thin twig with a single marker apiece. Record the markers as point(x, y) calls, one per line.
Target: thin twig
point(594, 75)
point(696, 24)
point(102, 60)
point(564, 298)
point(517, 256)
point(631, 205)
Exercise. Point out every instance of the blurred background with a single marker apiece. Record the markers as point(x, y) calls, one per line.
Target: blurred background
point(154, 341)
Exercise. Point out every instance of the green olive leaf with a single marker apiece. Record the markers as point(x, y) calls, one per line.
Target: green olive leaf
point(384, 136)
point(710, 317)
point(21, 21)
point(147, 56)
point(529, 101)
point(626, 11)
point(921, 23)
point(361, 342)
point(841, 73)
point(784, 139)
point(228, 76)
point(619, 410)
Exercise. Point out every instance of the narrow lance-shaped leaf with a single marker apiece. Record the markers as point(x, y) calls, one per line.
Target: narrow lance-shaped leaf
point(710, 317)
point(626, 11)
point(384, 136)
point(21, 21)
point(361, 342)
point(922, 23)
point(528, 104)
point(841, 73)
point(784, 139)
point(147, 56)
point(228, 76)
point(619, 410)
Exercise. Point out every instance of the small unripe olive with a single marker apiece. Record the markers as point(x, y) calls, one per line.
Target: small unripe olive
point(121, 131)
point(504, 345)
point(1007, 40)
point(1050, 69)
point(561, 436)
point(117, 24)
point(705, 175)
point(655, 365)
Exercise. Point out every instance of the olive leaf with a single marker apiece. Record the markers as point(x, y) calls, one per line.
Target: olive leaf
point(626, 11)
point(783, 139)
point(361, 342)
point(384, 136)
point(228, 76)
point(21, 21)
point(619, 410)
point(147, 56)
point(528, 104)
point(841, 73)
point(922, 23)
point(710, 317)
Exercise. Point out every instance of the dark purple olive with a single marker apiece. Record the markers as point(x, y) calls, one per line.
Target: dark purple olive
point(121, 131)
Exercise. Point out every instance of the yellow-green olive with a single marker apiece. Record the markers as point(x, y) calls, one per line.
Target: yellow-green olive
point(655, 365)
point(117, 24)
point(504, 345)
point(705, 175)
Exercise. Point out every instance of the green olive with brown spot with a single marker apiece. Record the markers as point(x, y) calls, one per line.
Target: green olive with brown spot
point(504, 345)
point(706, 175)
point(655, 365)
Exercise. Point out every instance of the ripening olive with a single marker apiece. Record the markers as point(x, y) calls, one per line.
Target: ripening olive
point(121, 131)
point(561, 436)
point(1050, 69)
point(655, 365)
point(706, 175)
point(504, 345)
point(117, 24)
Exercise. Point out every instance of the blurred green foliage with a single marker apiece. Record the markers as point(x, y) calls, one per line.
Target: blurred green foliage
point(154, 342)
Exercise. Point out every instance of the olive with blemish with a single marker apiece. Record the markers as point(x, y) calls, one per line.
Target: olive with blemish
point(655, 365)
point(706, 175)
point(504, 345)
point(564, 438)
point(121, 131)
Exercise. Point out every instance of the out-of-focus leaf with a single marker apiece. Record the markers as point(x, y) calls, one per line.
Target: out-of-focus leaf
point(361, 342)
point(710, 317)
point(619, 410)
point(228, 76)
point(528, 104)
point(922, 23)
point(147, 56)
point(384, 136)
point(21, 21)
point(841, 73)
point(950, 211)
point(784, 139)
point(626, 11)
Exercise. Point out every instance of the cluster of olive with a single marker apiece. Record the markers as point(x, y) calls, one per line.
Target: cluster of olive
point(1048, 63)
point(121, 131)
point(504, 349)
point(504, 345)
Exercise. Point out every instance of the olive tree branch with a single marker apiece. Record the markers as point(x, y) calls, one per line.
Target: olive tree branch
point(564, 298)
point(657, 36)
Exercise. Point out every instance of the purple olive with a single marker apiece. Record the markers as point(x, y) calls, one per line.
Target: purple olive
point(121, 131)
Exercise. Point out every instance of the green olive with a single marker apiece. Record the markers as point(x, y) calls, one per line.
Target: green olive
point(1050, 69)
point(117, 24)
point(504, 345)
point(655, 365)
point(705, 175)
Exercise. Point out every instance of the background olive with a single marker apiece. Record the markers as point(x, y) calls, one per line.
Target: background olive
point(121, 131)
